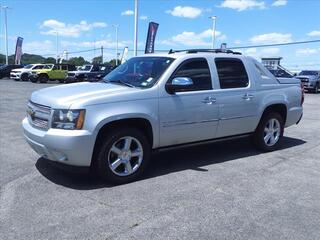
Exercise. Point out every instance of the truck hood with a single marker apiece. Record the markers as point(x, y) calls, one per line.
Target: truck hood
point(19, 70)
point(309, 77)
point(77, 72)
point(79, 95)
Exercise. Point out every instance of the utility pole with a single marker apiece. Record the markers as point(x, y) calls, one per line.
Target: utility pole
point(116, 26)
point(214, 19)
point(101, 54)
point(135, 42)
point(6, 32)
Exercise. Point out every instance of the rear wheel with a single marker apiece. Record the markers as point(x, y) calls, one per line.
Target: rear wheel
point(269, 132)
point(43, 78)
point(123, 155)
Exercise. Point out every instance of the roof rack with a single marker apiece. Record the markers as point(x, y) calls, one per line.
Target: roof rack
point(205, 50)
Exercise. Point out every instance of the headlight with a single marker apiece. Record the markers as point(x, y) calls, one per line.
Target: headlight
point(68, 119)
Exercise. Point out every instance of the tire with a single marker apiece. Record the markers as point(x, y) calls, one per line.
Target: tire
point(43, 78)
point(34, 80)
point(24, 77)
point(113, 151)
point(316, 88)
point(271, 124)
point(61, 81)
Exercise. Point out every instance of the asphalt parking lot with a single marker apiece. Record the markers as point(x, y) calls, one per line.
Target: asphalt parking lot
point(224, 190)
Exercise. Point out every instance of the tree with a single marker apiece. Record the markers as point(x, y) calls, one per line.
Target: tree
point(50, 60)
point(97, 60)
point(112, 62)
point(78, 61)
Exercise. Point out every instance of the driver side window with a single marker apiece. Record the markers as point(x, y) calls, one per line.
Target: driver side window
point(198, 71)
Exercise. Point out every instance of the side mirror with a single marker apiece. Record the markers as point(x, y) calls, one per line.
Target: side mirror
point(179, 84)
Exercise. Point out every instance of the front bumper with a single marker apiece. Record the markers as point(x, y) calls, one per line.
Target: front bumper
point(71, 147)
point(15, 76)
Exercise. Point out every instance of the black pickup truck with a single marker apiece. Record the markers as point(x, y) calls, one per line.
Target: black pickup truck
point(90, 73)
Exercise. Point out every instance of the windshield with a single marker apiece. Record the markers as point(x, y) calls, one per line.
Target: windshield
point(142, 72)
point(28, 66)
point(85, 68)
point(308, 73)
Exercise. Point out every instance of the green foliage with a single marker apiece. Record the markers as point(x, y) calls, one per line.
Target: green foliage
point(97, 60)
point(112, 62)
point(77, 61)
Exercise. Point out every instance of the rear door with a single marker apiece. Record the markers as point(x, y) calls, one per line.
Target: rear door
point(236, 98)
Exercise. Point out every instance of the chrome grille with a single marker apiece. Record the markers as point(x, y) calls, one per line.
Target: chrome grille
point(38, 115)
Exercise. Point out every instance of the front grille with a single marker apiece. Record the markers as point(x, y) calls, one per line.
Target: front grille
point(304, 79)
point(38, 115)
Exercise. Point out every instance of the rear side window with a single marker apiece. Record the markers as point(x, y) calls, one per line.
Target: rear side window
point(232, 73)
point(198, 71)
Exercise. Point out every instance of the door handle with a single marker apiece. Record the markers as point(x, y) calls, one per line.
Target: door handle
point(247, 96)
point(209, 100)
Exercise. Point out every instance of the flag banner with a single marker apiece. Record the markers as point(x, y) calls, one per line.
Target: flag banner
point(18, 53)
point(152, 32)
point(124, 55)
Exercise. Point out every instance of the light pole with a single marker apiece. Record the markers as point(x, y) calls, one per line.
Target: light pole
point(57, 46)
point(135, 42)
point(116, 26)
point(214, 19)
point(5, 31)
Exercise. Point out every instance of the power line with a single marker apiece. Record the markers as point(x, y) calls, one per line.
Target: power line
point(167, 50)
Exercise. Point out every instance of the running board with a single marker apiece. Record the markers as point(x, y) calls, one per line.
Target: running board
point(192, 144)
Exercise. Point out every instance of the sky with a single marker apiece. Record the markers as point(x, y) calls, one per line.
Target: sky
point(85, 24)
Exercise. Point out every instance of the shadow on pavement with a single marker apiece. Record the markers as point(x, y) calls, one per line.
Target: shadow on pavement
point(162, 163)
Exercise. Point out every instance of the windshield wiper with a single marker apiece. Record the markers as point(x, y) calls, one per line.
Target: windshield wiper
point(121, 82)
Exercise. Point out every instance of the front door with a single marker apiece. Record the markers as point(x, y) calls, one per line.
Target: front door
point(191, 114)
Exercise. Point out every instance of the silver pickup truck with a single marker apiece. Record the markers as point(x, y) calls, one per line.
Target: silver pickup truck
point(158, 101)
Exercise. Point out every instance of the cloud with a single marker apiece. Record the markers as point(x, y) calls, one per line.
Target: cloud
point(271, 38)
point(279, 3)
point(67, 29)
point(193, 39)
point(241, 5)
point(144, 18)
point(39, 47)
point(185, 11)
point(307, 51)
point(127, 13)
point(315, 33)
point(107, 43)
point(259, 53)
point(237, 42)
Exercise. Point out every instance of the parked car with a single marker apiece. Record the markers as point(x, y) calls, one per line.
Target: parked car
point(55, 72)
point(160, 101)
point(79, 74)
point(310, 80)
point(97, 73)
point(25, 72)
point(6, 69)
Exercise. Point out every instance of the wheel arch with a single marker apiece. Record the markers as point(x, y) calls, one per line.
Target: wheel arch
point(280, 108)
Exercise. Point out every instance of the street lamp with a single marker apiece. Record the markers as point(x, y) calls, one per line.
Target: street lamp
point(214, 19)
point(5, 31)
point(57, 45)
point(135, 42)
point(116, 26)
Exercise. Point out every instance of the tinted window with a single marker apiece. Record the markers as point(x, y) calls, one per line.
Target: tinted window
point(38, 67)
point(232, 73)
point(198, 71)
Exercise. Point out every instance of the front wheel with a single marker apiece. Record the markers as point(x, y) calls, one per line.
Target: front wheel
point(316, 88)
point(123, 155)
point(24, 77)
point(269, 132)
